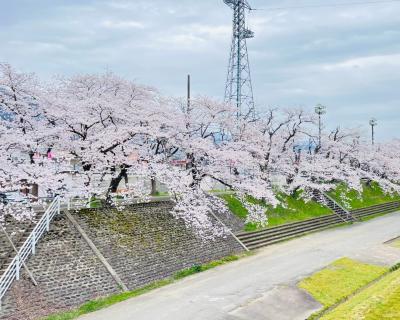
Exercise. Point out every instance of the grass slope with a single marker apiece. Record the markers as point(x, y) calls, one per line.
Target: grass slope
point(235, 206)
point(371, 195)
point(377, 302)
point(292, 209)
point(339, 280)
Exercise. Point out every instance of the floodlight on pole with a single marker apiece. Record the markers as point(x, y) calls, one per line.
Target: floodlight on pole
point(373, 123)
point(320, 110)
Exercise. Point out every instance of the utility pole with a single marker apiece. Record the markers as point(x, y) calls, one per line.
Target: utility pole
point(373, 123)
point(188, 93)
point(239, 89)
point(320, 110)
point(189, 156)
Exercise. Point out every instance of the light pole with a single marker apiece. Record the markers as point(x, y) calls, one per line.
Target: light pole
point(373, 123)
point(188, 92)
point(320, 110)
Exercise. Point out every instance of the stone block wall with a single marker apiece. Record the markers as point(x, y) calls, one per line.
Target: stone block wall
point(15, 230)
point(67, 272)
point(143, 243)
point(231, 221)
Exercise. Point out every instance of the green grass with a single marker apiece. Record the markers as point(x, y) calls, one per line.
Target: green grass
point(201, 268)
point(339, 280)
point(292, 209)
point(95, 203)
point(102, 303)
point(371, 195)
point(235, 206)
point(379, 301)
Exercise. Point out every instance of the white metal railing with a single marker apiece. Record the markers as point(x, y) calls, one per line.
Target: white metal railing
point(29, 247)
point(348, 214)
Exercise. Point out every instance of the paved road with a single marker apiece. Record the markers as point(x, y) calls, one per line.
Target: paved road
point(262, 286)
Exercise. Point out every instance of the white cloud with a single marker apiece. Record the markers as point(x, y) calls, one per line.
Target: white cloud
point(127, 24)
point(366, 62)
point(194, 36)
point(347, 58)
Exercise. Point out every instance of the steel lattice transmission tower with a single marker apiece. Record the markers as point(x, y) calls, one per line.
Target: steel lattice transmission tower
point(239, 90)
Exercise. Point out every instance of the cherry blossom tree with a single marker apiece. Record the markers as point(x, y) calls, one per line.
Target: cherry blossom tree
point(23, 160)
point(212, 154)
point(380, 163)
point(116, 133)
point(108, 125)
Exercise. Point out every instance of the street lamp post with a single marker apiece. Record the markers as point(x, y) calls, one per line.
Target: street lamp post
point(320, 110)
point(373, 123)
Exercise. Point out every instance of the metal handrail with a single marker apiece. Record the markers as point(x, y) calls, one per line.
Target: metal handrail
point(29, 247)
point(335, 203)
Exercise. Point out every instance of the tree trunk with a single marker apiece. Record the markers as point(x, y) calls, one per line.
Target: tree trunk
point(114, 184)
point(35, 192)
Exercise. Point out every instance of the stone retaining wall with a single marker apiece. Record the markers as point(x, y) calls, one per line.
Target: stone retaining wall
point(143, 243)
point(15, 231)
point(67, 272)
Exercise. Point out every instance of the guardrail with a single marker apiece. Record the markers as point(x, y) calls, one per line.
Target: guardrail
point(29, 247)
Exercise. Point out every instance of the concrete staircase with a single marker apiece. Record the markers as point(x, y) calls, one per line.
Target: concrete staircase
point(378, 209)
point(328, 201)
point(258, 239)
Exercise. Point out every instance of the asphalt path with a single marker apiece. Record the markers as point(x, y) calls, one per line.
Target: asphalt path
point(262, 286)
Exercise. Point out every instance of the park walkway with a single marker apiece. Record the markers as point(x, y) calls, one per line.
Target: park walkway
point(262, 286)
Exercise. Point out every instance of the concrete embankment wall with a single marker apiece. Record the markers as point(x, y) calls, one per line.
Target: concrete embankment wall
point(143, 243)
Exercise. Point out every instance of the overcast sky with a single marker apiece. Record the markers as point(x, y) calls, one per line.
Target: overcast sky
point(347, 58)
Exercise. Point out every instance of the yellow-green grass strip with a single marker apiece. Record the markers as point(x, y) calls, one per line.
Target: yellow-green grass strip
point(379, 301)
point(340, 279)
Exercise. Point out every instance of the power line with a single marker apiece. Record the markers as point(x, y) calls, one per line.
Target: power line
point(311, 6)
